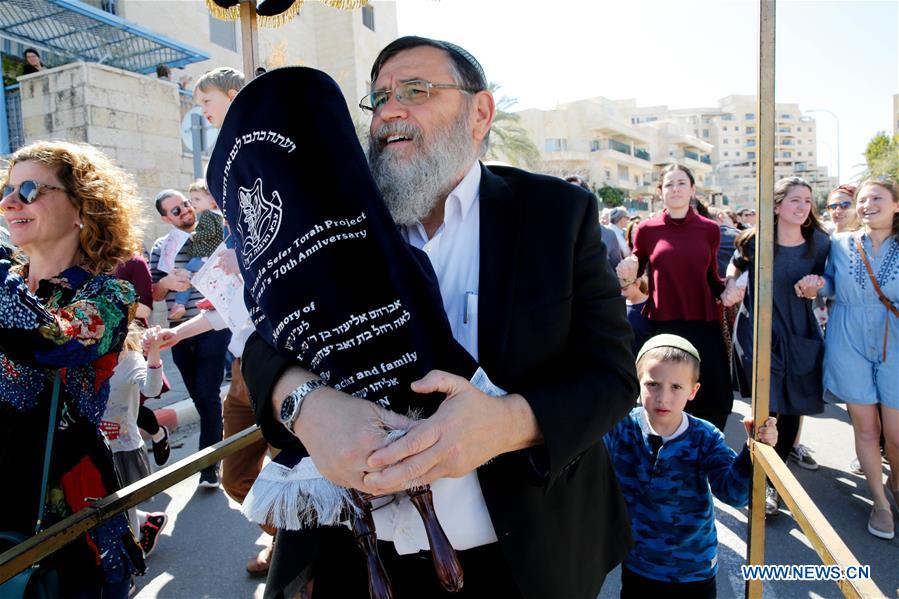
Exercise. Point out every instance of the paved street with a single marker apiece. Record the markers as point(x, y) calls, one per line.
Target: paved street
point(204, 548)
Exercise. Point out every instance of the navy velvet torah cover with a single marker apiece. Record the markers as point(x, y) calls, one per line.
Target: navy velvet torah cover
point(329, 279)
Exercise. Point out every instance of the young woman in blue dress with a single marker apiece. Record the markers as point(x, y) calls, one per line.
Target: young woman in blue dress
point(861, 361)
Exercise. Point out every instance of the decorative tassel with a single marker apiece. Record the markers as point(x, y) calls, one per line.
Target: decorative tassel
point(296, 498)
point(223, 14)
point(278, 20)
point(345, 4)
point(299, 497)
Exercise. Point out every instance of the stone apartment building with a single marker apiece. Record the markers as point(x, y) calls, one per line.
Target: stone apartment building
point(621, 144)
point(139, 120)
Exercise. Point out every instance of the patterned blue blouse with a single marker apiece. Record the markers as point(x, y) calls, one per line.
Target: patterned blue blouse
point(861, 355)
point(76, 323)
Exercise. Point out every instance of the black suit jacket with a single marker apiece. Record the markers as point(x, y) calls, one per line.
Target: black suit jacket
point(552, 327)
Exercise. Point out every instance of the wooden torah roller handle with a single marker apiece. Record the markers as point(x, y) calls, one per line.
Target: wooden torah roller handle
point(363, 525)
point(446, 562)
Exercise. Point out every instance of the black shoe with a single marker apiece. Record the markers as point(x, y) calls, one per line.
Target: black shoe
point(149, 532)
point(161, 449)
point(209, 480)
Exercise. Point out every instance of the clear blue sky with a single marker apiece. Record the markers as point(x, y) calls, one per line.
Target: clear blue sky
point(841, 56)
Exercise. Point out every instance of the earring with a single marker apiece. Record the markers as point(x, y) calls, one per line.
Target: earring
point(81, 225)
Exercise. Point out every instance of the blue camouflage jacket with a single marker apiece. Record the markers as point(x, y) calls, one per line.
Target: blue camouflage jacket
point(670, 503)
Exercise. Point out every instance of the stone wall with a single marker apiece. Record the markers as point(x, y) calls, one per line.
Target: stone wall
point(135, 120)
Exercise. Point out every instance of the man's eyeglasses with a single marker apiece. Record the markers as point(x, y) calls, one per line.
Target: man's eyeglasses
point(408, 93)
point(177, 210)
point(748, 213)
point(845, 205)
point(29, 191)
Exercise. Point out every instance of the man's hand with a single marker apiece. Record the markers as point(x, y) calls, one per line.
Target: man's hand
point(468, 429)
point(340, 432)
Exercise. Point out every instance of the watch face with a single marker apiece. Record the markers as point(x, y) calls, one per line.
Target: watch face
point(287, 407)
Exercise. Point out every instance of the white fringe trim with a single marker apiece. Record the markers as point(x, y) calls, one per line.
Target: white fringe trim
point(296, 498)
point(300, 497)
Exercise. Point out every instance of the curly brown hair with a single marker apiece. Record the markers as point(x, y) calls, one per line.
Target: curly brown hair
point(103, 193)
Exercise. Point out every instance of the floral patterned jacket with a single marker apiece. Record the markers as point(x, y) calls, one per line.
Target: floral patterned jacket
point(76, 324)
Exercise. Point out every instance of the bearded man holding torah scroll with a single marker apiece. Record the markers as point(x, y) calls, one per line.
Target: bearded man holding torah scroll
point(522, 484)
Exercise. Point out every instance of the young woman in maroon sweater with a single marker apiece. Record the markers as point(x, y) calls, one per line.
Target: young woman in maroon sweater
point(677, 249)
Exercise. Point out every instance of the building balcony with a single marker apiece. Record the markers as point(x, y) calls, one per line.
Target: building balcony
point(565, 156)
point(605, 126)
point(618, 151)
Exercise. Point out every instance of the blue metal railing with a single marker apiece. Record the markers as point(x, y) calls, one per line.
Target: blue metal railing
point(706, 158)
point(691, 155)
point(644, 154)
point(14, 137)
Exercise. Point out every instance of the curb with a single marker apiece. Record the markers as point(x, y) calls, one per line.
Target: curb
point(184, 412)
point(180, 413)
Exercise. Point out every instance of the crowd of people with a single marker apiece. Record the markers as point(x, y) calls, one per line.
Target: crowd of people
point(567, 478)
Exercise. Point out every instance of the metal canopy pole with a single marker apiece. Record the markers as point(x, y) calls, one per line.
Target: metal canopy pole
point(249, 38)
point(764, 261)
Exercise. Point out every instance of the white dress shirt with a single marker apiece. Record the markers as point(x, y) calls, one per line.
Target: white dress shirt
point(454, 251)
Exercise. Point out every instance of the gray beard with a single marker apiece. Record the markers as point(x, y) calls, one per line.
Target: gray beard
point(412, 187)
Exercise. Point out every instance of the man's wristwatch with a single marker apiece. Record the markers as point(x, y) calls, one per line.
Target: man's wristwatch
point(290, 407)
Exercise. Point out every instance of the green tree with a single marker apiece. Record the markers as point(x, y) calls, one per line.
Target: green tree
point(611, 197)
point(882, 156)
point(509, 141)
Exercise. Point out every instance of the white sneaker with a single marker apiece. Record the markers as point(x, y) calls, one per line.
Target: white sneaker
point(772, 501)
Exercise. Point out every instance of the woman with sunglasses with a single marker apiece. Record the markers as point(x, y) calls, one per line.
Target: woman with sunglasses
point(677, 249)
point(841, 207)
point(861, 361)
point(71, 212)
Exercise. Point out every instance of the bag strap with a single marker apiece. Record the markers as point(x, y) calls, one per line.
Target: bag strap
point(51, 429)
point(880, 295)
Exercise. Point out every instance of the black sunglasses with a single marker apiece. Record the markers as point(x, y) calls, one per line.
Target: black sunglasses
point(845, 205)
point(177, 210)
point(29, 191)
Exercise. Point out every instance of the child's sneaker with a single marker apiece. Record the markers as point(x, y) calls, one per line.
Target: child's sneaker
point(802, 456)
point(149, 532)
point(177, 312)
point(161, 449)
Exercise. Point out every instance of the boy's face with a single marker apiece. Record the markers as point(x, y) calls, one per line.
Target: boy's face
point(202, 201)
point(214, 103)
point(665, 389)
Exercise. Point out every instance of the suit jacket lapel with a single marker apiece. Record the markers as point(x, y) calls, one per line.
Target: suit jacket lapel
point(501, 217)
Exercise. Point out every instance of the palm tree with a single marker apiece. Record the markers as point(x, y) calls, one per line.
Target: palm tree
point(509, 141)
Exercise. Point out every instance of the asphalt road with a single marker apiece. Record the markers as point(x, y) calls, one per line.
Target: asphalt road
point(204, 547)
point(207, 541)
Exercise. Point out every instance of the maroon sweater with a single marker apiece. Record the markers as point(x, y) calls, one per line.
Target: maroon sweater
point(683, 271)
